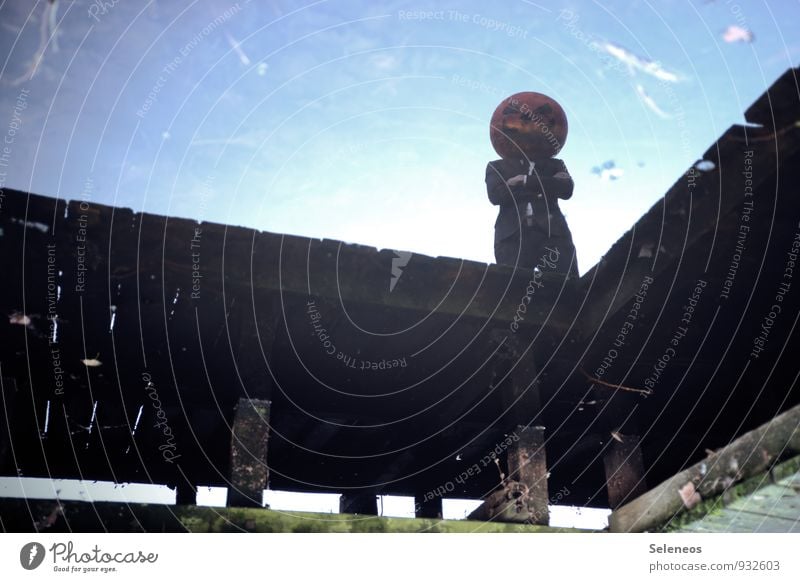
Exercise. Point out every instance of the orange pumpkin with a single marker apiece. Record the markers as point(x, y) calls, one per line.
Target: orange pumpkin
point(528, 125)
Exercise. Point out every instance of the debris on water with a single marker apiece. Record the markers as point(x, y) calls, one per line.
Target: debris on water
point(608, 171)
point(18, 318)
point(92, 362)
point(705, 165)
point(737, 34)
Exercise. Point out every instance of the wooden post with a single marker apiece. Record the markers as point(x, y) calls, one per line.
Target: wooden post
point(248, 471)
point(431, 508)
point(8, 394)
point(527, 464)
point(524, 497)
point(624, 471)
point(361, 503)
point(253, 342)
point(519, 390)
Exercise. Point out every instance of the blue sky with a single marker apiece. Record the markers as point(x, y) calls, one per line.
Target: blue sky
point(368, 122)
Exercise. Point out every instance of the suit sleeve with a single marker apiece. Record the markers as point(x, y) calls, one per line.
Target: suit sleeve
point(543, 181)
point(500, 193)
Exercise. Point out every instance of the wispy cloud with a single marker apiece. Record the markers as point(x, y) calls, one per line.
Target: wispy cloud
point(650, 103)
point(637, 63)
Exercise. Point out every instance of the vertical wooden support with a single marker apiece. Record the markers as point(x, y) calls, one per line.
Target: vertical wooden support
point(253, 335)
point(624, 471)
point(361, 503)
point(523, 498)
point(527, 465)
point(519, 393)
point(527, 462)
point(427, 508)
point(249, 472)
point(8, 394)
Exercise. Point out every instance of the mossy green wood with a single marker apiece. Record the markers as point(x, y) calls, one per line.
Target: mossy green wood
point(131, 517)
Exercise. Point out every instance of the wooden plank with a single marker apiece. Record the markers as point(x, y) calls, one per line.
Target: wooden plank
point(749, 455)
point(773, 501)
point(341, 272)
point(792, 481)
point(249, 439)
point(737, 521)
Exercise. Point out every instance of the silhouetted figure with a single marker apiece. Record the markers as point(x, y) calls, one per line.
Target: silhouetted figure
point(530, 223)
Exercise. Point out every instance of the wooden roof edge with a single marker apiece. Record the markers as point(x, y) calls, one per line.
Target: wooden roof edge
point(778, 105)
point(493, 278)
point(782, 102)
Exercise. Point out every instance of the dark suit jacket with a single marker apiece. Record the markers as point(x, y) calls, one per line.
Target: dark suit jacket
point(541, 190)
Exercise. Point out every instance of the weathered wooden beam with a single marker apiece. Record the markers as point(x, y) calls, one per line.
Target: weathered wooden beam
point(515, 369)
point(360, 503)
point(624, 470)
point(527, 464)
point(750, 454)
point(249, 439)
point(347, 273)
point(51, 516)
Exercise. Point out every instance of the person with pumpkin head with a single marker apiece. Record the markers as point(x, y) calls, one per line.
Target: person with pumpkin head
point(527, 130)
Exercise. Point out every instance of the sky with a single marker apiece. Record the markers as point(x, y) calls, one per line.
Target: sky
point(368, 122)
